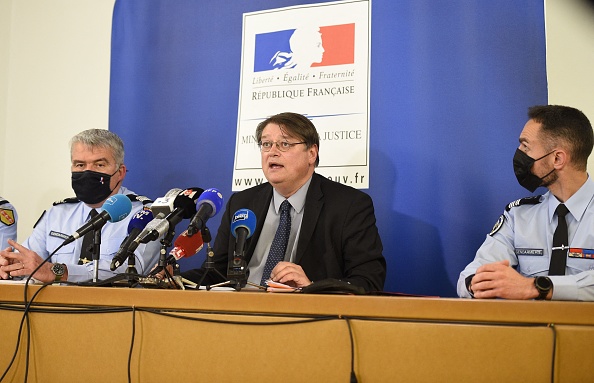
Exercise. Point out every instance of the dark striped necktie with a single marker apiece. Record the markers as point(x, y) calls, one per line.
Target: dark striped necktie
point(280, 241)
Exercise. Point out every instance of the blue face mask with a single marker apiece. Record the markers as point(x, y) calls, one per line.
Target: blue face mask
point(92, 187)
point(522, 168)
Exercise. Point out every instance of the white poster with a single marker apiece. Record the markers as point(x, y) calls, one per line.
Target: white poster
point(314, 60)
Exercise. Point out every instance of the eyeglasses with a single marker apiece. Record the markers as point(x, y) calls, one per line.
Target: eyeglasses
point(283, 146)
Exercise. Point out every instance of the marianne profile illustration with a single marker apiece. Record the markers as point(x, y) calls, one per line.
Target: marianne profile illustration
point(305, 49)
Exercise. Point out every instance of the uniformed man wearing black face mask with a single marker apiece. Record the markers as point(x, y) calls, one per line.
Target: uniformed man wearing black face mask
point(542, 247)
point(98, 170)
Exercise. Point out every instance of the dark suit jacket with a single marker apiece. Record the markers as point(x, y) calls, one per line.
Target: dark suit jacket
point(338, 238)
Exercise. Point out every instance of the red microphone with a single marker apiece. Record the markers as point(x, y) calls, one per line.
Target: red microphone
point(186, 246)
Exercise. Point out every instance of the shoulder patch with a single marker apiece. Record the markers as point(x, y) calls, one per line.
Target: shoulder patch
point(497, 225)
point(534, 200)
point(7, 217)
point(3, 201)
point(67, 200)
point(139, 198)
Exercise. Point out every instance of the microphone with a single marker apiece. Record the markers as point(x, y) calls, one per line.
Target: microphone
point(115, 208)
point(186, 246)
point(153, 230)
point(184, 206)
point(243, 225)
point(135, 227)
point(209, 203)
point(165, 204)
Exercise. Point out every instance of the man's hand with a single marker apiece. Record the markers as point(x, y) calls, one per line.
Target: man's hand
point(19, 261)
point(498, 280)
point(290, 274)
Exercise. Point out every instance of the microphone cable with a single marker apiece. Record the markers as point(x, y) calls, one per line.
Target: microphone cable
point(19, 335)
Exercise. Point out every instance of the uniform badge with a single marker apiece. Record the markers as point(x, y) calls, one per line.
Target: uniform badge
point(529, 252)
point(7, 217)
point(57, 234)
point(497, 225)
point(580, 253)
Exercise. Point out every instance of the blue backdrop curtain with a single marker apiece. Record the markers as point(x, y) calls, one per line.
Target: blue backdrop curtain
point(450, 85)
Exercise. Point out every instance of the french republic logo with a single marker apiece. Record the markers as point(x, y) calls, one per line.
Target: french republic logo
point(7, 217)
point(305, 47)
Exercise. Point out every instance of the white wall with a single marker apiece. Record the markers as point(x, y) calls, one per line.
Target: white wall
point(5, 13)
point(54, 82)
point(570, 55)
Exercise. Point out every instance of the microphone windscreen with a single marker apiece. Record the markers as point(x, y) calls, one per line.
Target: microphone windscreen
point(243, 218)
point(140, 220)
point(185, 246)
point(186, 200)
point(214, 198)
point(118, 206)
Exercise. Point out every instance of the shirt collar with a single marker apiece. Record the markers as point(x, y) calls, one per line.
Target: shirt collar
point(576, 204)
point(297, 200)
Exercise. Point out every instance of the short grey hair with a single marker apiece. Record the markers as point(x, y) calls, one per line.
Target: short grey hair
point(101, 138)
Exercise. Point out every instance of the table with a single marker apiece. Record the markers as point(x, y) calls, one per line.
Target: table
point(100, 334)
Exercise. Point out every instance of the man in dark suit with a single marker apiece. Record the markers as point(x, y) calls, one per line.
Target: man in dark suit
point(331, 227)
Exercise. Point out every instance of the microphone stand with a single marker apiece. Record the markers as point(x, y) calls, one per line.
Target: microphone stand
point(130, 277)
point(237, 273)
point(208, 262)
point(96, 251)
point(162, 265)
point(131, 270)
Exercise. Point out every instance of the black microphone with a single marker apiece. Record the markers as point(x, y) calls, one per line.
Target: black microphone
point(135, 227)
point(115, 208)
point(184, 206)
point(209, 204)
point(243, 225)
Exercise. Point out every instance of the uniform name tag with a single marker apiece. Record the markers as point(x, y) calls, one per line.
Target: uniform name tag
point(531, 252)
point(58, 234)
point(575, 252)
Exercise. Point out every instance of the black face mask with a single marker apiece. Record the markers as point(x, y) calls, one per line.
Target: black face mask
point(522, 165)
point(92, 187)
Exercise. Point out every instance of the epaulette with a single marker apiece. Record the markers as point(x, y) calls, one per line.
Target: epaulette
point(139, 198)
point(67, 200)
point(534, 200)
point(60, 202)
point(39, 219)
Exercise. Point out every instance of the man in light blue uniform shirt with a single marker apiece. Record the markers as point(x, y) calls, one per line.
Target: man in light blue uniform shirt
point(514, 262)
point(8, 223)
point(98, 170)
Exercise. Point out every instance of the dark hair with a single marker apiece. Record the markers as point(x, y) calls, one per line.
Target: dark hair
point(295, 125)
point(566, 124)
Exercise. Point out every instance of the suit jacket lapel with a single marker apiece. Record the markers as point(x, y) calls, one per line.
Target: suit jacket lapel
point(313, 206)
